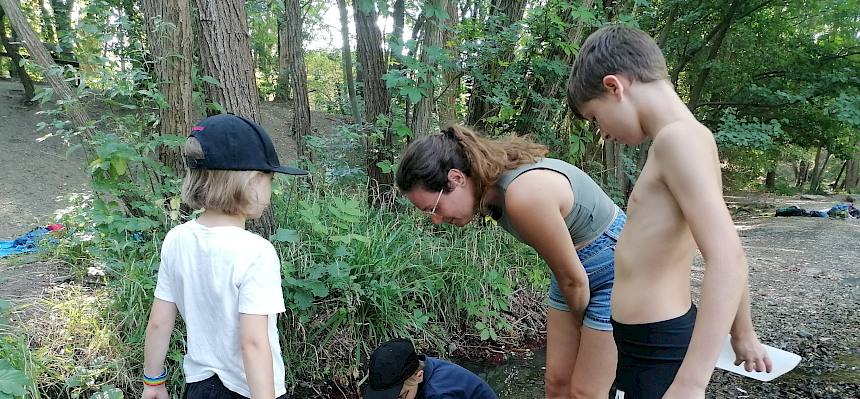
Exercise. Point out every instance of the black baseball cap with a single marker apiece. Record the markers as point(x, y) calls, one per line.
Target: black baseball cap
point(391, 364)
point(231, 142)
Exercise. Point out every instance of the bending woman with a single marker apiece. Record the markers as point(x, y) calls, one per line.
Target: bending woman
point(548, 204)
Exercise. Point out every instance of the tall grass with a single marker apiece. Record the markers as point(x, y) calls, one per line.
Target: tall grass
point(352, 277)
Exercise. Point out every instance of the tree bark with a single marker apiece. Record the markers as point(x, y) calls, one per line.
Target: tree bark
point(432, 38)
point(53, 73)
point(63, 22)
point(818, 170)
point(770, 180)
point(301, 126)
point(449, 98)
point(347, 61)
point(376, 102)
point(48, 25)
point(15, 56)
point(396, 39)
point(852, 173)
point(283, 91)
point(168, 28)
point(225, 54)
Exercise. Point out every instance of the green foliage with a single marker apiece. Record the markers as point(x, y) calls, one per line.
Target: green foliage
point(357, 276)
point(14, 355)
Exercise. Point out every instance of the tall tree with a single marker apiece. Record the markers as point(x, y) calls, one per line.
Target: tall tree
point(347, 61)
point(168, 27)
point(852, 174)
point(225, 54)
point(449, 97)
point(376, 99)
point(53, 73)
point(504, 14)
point(63, 20)
point(282, 93)
point(13, 51)
point(430, 51)
point(301, 127)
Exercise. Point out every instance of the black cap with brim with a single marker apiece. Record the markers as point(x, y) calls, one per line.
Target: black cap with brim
point(231, 142)
point(391, 364)
point(290, 171)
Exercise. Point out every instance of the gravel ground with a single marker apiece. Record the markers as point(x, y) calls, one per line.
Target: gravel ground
point(805, 290)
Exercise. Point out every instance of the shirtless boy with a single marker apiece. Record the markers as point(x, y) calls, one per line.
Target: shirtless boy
point(666, 347)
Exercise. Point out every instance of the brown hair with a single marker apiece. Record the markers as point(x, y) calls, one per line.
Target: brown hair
point(229, 191)
point(426, 161)
point(611, 50)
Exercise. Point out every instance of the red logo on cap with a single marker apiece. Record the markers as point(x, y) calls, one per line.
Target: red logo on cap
point(197, 128)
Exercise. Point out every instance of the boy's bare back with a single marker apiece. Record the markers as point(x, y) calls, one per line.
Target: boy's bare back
point(678, 192)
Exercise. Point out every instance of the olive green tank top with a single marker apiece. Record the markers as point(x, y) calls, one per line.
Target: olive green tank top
point(592, 211)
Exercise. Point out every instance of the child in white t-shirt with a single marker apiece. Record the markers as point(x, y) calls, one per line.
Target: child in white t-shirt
point(223, 280)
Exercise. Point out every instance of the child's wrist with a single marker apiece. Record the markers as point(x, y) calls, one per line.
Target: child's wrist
point(155, 381)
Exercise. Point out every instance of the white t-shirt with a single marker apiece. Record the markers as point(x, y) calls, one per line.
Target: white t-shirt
point(212, 274)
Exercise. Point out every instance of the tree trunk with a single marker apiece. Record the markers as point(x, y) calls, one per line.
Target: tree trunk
point(168, 28)
point(803, 172)
point(15, 56)
point(53, 73)
point(432, 38)
point(376, 102)
point(770, 180)
point(663, 37)
point(698, 85)
point(534, 115)
point(282, 93)
point(296, 60)
point(396, 39)
point(347, 61)
point(852, 174)
point(63, 20)
point(225, 54)
point(835, 183)
point(511, 12)
point(49, 32)
point(449, 98)
point(818, 170)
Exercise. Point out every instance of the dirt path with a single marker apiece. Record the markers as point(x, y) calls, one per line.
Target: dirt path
point(36, 175)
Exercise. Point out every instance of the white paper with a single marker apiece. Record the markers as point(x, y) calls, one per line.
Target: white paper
point(783, 362)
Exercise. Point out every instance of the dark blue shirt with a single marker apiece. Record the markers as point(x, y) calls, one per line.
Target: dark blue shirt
point(444, 380)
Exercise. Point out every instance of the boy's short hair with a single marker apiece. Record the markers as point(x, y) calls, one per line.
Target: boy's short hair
point(613, 50)
point(229, 191)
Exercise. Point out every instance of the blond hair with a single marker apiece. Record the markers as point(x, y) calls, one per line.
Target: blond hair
point(426, 162)
point(229, 191)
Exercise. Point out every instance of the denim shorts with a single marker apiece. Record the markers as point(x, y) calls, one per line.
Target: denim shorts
point(598, 258)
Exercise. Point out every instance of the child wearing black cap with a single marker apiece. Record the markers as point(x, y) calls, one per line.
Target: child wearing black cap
point(223, 280)
point(398, 372)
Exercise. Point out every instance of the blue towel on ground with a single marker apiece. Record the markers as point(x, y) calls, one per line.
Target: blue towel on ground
point(26, 243)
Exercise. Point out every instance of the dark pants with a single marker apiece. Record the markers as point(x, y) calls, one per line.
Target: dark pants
point(212, 388)
point(649, 355)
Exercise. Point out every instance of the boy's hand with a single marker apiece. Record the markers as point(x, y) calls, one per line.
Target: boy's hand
point(750, 352)
point(157, 392)
point(683, 391)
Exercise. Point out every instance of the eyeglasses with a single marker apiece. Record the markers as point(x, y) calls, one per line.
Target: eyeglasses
point(435, 204)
